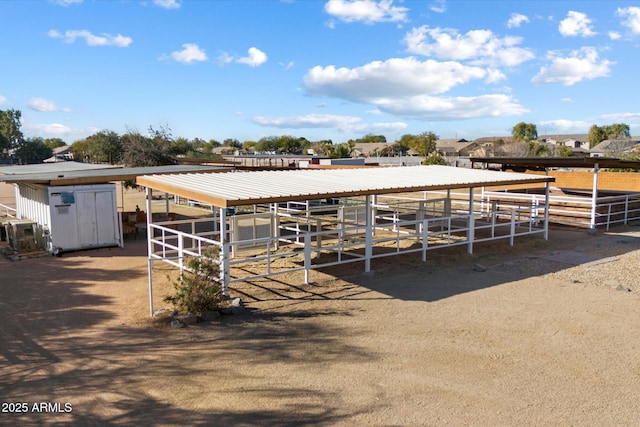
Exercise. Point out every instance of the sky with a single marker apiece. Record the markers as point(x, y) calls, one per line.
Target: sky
point(330, 69)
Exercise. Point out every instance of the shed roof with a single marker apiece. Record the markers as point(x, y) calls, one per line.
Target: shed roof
point(246, 188)
point(74, 173)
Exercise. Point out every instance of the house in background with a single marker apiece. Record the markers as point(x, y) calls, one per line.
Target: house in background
point(60, 154)
point(615, 148)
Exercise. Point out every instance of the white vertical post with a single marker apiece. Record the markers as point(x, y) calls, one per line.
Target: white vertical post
point(546, 211)
point(224, 252)
point(276, 225)
point(471, 223)
point(148, 195)
point(594, 196)
point(307, 256)
point(512, 228)
point(368, 251)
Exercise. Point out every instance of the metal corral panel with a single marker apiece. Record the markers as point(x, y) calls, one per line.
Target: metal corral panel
point(244, 188)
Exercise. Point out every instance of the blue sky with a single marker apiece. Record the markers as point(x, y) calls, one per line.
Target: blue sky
point(335, 69)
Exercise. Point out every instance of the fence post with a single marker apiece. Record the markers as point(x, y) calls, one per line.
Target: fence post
point(470, 223)
point(307, 256)
point(368, 251)
point(626, 209)
point(425, 238)
point(512, 227)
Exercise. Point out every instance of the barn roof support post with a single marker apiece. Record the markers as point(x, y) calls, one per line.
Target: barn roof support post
point(224, 253)
point(368, 250)
point(546, 210)
point(594, 196)
point(148, 196)
point(471, 223)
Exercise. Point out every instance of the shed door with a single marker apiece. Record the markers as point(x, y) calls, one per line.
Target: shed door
point(96, 225)
point(105, 218)
point(87, 221)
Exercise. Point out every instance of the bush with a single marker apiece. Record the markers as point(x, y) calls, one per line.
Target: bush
point(199, 289)
point(434, 159)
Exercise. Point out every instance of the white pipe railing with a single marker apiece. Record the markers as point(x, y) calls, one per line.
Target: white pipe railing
point(610, 210)
point(8, 211)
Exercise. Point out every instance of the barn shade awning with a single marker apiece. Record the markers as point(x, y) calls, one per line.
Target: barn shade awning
point(246, 188)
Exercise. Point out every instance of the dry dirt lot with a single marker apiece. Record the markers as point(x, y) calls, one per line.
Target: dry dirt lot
point(549, 334)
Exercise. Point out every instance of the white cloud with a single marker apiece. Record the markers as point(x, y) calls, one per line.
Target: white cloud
point(479, 46)
point(65, 2)
point(396, 77)
point(406, 87)
point(190, 53)
point(44, 105)
point(614, 35)
point(632, 15)
point(167, 4)
point(452, 108)
point(256, 57)
point(91, 39)
point(3, 100)
point(516, 20)
point(439, 6)
point(562, 126)
point(576, 24)
point(347, 124)
point(367, 11)
point(582, 64)
point(49, 130)
point(307, 121)
point(621, 117)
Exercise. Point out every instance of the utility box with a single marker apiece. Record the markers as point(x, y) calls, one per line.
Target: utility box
point(23, 235)
point(71, 217)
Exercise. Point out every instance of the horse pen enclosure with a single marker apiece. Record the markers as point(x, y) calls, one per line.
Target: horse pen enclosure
point(262, 224)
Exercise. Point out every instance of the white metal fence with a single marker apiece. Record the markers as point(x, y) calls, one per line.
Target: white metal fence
point(570, 210)
point(299, 248)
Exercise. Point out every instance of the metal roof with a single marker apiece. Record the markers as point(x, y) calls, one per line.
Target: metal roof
point(246, 188)
point(540, 163)
point(64, 174)
point(51, 168)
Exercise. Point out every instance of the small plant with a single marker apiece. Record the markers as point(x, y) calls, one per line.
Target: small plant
point(198, 290)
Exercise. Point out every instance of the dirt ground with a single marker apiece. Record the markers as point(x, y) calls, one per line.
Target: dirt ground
point(542, 337)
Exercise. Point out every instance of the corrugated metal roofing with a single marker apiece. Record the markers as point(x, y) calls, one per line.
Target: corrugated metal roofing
point(93, 174)
point(245, 188)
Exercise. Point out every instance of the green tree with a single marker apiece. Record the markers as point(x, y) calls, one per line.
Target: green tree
point(341, 151)
point(617, 131)
point(10, 133)
point(369, 138)
point(32, 150)
point(106, 147)
point(434, 159)
point(231, 142)
point(139, 150)
point(596, 135)
point(424, 144)
point(181, 146)
point(54, 143)
point(526, 132)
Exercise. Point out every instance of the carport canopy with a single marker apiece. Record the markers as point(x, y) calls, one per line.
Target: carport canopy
point(247, 188)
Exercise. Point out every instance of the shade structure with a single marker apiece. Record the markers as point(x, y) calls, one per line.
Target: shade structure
point(245, 188)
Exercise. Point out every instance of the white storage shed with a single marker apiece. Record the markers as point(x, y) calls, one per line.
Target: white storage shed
point(75, 204)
